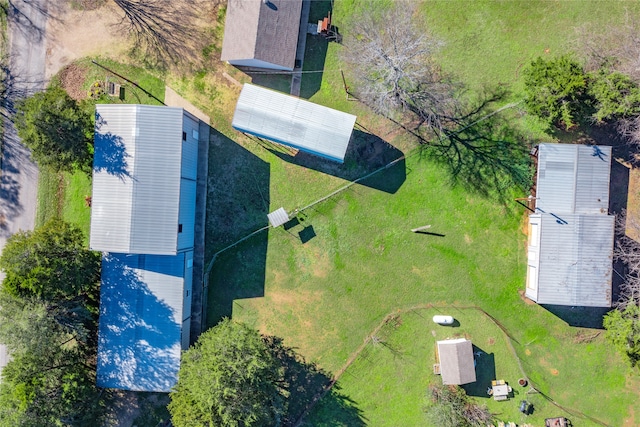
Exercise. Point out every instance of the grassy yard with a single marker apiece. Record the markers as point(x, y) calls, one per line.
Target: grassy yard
point(326, 280)
point(396, 369)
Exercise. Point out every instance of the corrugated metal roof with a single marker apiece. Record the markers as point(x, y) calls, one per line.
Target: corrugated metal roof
point(572, 261)
point(266, 32)
point(136, 178)
point(456, 361)
point(575, 260)
point(293, 121)
point(141, 317)
point(573, 178)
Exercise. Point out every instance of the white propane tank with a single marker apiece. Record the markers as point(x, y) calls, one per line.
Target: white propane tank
point(443, 320)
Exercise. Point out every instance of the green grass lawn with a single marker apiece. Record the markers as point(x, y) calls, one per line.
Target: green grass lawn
point(326, 295)
point(396, 369)
point(360, 261)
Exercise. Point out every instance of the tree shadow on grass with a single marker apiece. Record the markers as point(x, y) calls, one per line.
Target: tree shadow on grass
point(479, 147)
point(237, 205)
point(304, 383)
point(485, 373)
point(365, 154)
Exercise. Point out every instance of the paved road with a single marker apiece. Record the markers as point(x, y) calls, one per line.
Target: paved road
point(19, 175)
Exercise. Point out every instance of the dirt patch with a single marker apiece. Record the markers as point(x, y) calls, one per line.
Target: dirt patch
point(296, 298)
point(468, 239)
point(527, 352)
point(554, 372)
point(524, 298)
point(491, 341)
point(631, 420)
point(74, 33)
point(71, 79)
point(585, 336)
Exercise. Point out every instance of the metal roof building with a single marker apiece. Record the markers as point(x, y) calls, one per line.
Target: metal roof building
point(262, 34)
point(570, 250)
point(456, 361)
point(143, 219)
point(145, 309)
point(144, 179)
point(294, 122)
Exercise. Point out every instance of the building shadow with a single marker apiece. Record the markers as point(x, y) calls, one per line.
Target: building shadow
point(271, 79)
point(237, 205)
point(618, 187)
point(315, 52)
point(485, 373)
point(583, 317)
point(366, 153)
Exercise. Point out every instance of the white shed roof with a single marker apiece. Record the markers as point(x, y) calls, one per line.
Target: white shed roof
point(136, 179)
point(570, 254)
point(294, 122)
point(573, 178)
point(573, 261)
point(456, 361)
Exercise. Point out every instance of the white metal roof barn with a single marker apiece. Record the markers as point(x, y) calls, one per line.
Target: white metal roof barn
point(143, 179)
point(295, 122)
point(570, 251)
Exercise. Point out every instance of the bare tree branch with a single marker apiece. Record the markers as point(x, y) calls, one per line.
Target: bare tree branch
point(167, 32)
point(391, 61)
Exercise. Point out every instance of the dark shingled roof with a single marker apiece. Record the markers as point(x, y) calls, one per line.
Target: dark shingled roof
point(263, 31)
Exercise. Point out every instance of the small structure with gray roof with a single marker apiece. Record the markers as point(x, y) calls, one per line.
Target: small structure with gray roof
point(294, 122)
point(142, 220)
point(262, 33)
point(456, 361)
point(570, 250)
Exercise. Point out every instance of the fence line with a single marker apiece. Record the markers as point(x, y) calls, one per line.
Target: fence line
point(354, 356)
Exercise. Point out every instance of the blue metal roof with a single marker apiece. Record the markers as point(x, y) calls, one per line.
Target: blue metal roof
point(141, 314)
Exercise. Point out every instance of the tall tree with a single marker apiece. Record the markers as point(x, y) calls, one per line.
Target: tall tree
point(390, 57)
point(48, 320)
point(556, 91)
point(623, 331)
point(228, 378)
point(50, 263)
point(451, 407)
point(56, 129)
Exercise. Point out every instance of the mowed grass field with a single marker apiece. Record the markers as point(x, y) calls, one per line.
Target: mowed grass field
point(324, 283)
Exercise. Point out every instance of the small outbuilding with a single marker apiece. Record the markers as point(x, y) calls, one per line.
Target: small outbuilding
point(457, 365)
point(262, 33)
point(570, 251)
point(294, 122)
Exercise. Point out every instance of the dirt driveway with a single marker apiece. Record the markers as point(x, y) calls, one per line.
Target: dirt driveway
point(73, 34)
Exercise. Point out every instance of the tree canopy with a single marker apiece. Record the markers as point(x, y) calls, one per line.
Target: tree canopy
point(393, 65)
point(56, 129)
point(623, 331)
point(48, 321)
point(228, 378)
point(451, 407)
point(556, 90)
point(50, 262)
